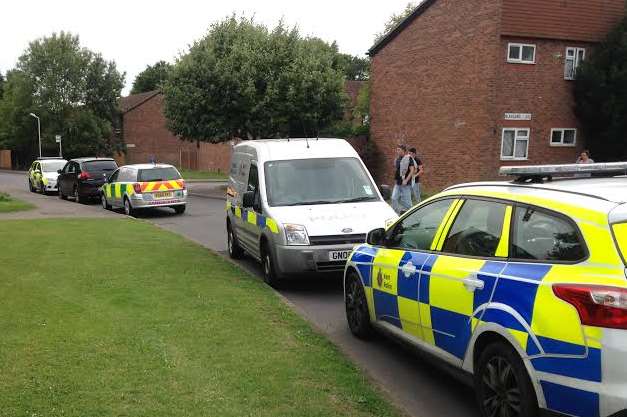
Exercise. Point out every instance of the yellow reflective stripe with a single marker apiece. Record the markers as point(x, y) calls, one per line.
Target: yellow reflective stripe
point(445, 226)
point(129, 189)
point(175, 185)
point(503, 248)
point(150, 186)
point(228, 206)
point(252, 218)
point(620, 233)
point(108, 190)
point(272, 225)
point(118, 192)
point(238, 212)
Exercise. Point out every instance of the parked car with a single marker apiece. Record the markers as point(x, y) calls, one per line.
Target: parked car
point(135, 187)
point(82, 178)
point(300, 205)
point(520, 286)
point(43, 173)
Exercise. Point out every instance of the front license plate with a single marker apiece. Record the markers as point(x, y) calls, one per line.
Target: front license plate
point(167, 194)
point(339, 255)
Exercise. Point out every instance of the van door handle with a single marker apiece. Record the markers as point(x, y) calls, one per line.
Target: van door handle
point(472, 283)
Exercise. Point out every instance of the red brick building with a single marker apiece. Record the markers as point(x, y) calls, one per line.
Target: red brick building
point(476, 84)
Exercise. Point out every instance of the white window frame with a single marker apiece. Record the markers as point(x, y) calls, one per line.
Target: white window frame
point(575, 59)
point(519, 60)
point(516, 139)
point(561, 143)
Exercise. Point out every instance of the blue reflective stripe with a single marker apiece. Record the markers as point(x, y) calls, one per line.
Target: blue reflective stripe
point(407, 286)
point(386, 308)
point(519, 295)
point(454, 324)
point(366, 274)
point(528, 271)
point(425, 280)
point(570, 401)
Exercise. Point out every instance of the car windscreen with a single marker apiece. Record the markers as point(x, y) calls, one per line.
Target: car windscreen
point(158, 174)
point(302, 182)
point(52, 166)
point(100, 166)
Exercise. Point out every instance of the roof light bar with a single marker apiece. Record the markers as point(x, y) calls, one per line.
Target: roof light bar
point(567, 169)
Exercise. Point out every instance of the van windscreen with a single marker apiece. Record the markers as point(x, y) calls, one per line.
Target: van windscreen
point(303, 182)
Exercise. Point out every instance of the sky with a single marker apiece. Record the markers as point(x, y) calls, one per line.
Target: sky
point(136, 33)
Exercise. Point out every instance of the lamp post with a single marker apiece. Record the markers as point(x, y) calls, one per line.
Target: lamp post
point(38, 131)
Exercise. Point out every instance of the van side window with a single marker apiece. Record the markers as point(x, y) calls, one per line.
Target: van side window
point(541, 236)
point(253, 179)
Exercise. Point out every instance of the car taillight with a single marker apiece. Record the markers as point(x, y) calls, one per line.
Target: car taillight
point(137, 188)
point(84, 176)
point(183, 185)
point(597, 305)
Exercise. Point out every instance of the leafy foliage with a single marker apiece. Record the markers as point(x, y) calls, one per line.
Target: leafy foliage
point(396, 19)
point(1, 85)
point(243, 80)
point(152, 78)
point(74, 92)
point(601, 97)
point(354, 67)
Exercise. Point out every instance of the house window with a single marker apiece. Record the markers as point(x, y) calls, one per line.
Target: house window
point(515, 144)
point(519, 53)
point(563, 137)
point(574, 57)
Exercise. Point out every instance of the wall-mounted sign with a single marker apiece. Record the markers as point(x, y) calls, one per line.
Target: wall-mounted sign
point(517, 116)
point(130, 145)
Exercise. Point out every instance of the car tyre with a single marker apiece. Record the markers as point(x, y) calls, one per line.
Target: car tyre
point(356, 305)
point(105, 203)
point(179, 209)
point(269, 271)
point(77, 196)
point(128, 208)
point(235, 251)
point(61, 195)
point(42, 189)
point(30, 187)
point(502, 384)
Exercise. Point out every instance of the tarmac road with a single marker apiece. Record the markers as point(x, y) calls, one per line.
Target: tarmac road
point(415, 385)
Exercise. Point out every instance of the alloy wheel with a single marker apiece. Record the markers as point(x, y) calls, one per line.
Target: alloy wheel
point(502, 392)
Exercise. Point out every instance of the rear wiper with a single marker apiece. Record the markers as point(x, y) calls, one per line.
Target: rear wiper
point(357, 200)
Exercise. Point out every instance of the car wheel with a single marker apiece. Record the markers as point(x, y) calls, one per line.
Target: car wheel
point(269, 271)
point(502, 385)
point(356, 304)
point(42, 189)
point(30, 187)
point(77, 196)
point(105, 204)
point(235, 252)
point(61, 195)
point(128, 209)
point(179, 209)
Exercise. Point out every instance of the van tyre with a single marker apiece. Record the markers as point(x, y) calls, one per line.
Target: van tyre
point(235, 251)
point(179, 209)
point(269, 271)
point(502, 384)
point(105, 204)
point(356, 305)
point(128, 209)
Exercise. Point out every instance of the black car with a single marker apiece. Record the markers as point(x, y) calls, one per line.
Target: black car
point(82, 178)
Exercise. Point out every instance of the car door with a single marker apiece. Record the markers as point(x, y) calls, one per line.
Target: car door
point(251, 232)
point(36, 174)
point(64, 178)
point(398, 281)
point(473, 250)
point(108, 188)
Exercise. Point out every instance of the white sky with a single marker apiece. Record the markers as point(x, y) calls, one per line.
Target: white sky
point(138, 33)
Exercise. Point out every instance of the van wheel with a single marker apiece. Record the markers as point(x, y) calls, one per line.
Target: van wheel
point(269, 272)
point(356, 305)
point(502, 385)
point(128, 209)
point(235, 252)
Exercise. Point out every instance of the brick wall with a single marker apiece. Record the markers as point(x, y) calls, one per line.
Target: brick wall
point(433, 87)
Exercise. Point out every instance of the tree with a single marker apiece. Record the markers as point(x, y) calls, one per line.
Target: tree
point(395, 20)
point(152, 78)
point(243, 80)
point(354, 67)
point(601, 96)
point(1, 85)
point(73, 90)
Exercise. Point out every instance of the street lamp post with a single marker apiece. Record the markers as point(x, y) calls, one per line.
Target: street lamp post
point(38, 131)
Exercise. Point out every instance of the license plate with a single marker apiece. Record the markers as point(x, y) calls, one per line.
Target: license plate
point(167, 194)
point(339, 255)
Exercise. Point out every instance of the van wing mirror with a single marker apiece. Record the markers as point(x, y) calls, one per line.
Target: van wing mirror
point(376, 237)
point(385, 191)
point(248, 200)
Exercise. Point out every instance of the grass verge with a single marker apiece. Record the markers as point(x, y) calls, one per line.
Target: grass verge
point(203, 175)
point(9, 204)
point(118, 318)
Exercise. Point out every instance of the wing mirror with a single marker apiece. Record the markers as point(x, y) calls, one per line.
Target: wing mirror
point(248, 200)
point(59, 171)
point(385, 191)
point(376, 237)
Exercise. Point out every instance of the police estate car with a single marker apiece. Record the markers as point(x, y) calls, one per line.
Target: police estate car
point(521, 285)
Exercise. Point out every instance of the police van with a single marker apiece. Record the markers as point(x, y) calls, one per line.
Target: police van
point(300, 205)
point(520, 285)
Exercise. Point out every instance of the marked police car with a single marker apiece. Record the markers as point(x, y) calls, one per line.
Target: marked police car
point(520, 285)
point(135, 187)
point(42, 175)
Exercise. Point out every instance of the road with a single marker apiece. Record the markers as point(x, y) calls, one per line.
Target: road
point(416, 386)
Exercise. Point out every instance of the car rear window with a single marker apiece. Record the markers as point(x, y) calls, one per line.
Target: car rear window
point(158, 174)
point(100, 166)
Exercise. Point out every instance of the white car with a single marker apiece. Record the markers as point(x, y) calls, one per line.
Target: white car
point(43, 174)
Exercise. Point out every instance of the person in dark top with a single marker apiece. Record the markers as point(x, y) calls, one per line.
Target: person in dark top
point(404, 170)
point(415, 182)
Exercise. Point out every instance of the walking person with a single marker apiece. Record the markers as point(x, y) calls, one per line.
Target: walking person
point(584, 158)
point(419, 170)
point(404, 170)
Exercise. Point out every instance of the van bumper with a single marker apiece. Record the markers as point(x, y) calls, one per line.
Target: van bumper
point(292, 260)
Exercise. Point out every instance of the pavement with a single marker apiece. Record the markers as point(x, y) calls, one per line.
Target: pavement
point(414, 384)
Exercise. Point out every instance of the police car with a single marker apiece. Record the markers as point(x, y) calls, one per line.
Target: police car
point(135, 187)
point(519, 285)
point(42, 175)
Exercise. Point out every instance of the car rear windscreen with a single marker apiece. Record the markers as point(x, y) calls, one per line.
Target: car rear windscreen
point(100, 166)
point(158, 174)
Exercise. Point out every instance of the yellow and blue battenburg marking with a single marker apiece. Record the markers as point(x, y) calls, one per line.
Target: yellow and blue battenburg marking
point(259, 220)
point(423, 294)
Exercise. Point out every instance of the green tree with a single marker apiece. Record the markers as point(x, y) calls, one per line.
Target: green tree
point(152, 78)
point(354, 67)
point(395, 20)
point(73, 90)
point(1, 85)
point(601, 96)
point(243, 80)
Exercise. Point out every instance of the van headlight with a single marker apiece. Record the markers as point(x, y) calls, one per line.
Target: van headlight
point(296, 234)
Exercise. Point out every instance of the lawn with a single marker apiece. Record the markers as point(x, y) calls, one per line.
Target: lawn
point(203, 175)
point(9, 204)
point(119, 318)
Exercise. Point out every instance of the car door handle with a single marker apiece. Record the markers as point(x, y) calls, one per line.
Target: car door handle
point(472, 284)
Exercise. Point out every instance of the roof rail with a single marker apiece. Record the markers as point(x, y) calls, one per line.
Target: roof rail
point(540, 173)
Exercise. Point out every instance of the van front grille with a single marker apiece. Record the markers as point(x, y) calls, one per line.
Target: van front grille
point(336, 240)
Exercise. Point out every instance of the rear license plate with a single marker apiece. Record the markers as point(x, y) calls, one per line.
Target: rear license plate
point(339, 255)
point(166, 194)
